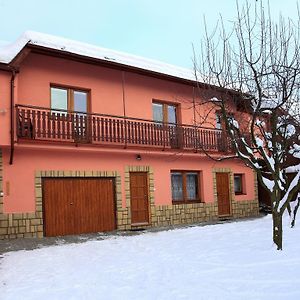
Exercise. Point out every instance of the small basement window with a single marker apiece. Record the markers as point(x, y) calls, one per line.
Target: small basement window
point(185, 187)
point(239, 184)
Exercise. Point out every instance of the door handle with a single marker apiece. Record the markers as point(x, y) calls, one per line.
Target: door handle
point(71, 203)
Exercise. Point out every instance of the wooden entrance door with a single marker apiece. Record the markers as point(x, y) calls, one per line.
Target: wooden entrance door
point(223, 194)
point(78, 205)
point(139, 198)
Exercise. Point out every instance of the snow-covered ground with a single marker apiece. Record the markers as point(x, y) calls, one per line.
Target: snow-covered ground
point(226, 261)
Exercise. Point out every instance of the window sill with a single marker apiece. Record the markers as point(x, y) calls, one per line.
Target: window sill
point(240, 194)
point(186, 202)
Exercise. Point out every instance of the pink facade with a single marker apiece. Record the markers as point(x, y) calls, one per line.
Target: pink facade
point(117, 92)
point(21, 197)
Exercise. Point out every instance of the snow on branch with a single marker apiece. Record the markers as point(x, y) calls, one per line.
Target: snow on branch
point(285, 198)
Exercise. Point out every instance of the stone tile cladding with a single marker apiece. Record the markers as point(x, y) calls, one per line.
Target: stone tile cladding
point(22, 225)
point(239, 209)
point(15, 225)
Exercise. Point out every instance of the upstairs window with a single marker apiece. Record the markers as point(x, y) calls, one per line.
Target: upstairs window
point(69, 99)
point(59, 98)
point(164, 112)
point(185, 186)
point(220, 124)
point(218, 121)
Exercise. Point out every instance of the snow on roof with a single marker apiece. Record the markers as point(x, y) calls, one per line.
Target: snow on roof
point(266, 104)
point(9, 52)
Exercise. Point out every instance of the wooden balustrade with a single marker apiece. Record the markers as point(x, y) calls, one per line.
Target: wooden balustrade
point(36, 123)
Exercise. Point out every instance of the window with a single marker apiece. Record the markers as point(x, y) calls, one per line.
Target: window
point(218, 121)
point(59, 98)
point(185, 186)
point(239, 184)
point(69, 99)
point(164, 112)
point(177, 186)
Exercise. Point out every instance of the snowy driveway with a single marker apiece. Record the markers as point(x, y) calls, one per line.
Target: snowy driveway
point(227, 261)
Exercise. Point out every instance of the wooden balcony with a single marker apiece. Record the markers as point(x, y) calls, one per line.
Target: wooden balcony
point(44, 124)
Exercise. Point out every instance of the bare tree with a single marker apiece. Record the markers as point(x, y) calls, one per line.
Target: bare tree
point(258, 63)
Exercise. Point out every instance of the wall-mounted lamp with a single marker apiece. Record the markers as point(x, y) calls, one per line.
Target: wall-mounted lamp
point(138, 157)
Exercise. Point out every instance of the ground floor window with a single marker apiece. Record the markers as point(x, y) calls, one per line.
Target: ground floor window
point(239, 184)
point(185, 186)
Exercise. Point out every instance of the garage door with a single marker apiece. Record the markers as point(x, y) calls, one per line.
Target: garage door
point(78, 205)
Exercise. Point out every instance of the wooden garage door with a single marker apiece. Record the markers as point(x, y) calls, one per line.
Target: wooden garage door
point(78, 205)
point(223, 194)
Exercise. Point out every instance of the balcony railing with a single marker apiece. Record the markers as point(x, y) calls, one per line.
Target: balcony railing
point(43, 124)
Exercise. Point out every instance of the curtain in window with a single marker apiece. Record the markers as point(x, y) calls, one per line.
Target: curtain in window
point(80, 101)
point(191, 186)
point(237, 183)
point(59, 99)
point(172, 114)
point(157, 112)
point(177, 186)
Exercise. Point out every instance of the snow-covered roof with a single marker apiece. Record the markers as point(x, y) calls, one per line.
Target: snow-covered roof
point(9, 52)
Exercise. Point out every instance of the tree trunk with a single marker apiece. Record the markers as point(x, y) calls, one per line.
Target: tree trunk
point(294, 212)
point(277, 229)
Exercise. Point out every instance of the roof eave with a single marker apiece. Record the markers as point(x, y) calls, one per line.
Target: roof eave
point(18, 59)
point(97, 61)
point(5, 67)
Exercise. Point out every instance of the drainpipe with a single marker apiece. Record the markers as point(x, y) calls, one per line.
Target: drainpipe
point(194, 106)
point(124, 108)
point(12, 110)
point(195, 124)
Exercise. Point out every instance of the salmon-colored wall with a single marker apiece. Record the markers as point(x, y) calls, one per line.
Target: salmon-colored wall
point(38, 72)
point(4, 107)
point(32, 87)
point(20, 175)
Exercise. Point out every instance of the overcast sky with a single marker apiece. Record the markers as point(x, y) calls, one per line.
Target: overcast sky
point(158, 29)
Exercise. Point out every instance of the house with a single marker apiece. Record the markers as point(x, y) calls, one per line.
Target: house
point(96, 140)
